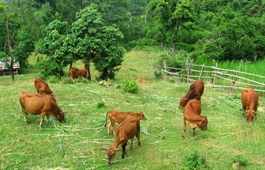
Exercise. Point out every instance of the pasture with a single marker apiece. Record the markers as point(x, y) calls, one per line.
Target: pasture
point(229, 141)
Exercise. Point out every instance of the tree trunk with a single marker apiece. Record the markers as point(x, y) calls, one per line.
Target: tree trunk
point(87, 66)
point(9, 44)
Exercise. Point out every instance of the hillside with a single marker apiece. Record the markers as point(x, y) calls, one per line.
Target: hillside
point(229, 140)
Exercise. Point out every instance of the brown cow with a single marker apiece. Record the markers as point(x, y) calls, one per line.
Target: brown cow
point(75, 72)
point(142, 80)
point(116, 116)
point(195, 92)
point(42, 87)
point(129, 128)
point(192, 116)
point(38, 104)
point(250, 101)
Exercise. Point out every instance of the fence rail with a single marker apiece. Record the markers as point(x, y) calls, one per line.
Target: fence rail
point(218, 77)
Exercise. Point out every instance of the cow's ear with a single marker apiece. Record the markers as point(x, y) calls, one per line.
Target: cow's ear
point(203, 119)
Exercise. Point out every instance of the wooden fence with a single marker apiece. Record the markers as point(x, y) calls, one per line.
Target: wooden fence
point(218, 77)
point(5, 71)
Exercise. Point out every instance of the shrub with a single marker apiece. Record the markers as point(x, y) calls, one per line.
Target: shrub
point(193, 161)
point(239, 159)
point(100, 104)
point(131, 87)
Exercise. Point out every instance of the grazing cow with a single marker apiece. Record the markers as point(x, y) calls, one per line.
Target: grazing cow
point(250, 101)
point(142, 80)
point(42, 87)
point(192, 116)
point(195, 92)
point(75, 72)
point(38, 104)
point(129, 128)
point(119, 117)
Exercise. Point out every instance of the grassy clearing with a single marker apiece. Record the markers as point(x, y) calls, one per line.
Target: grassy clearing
point(76, 144)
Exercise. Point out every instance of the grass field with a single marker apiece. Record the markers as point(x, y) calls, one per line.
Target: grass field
point(229, 140)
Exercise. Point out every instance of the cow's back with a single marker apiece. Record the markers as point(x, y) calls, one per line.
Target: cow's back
point(118, 116)
point(197, 89)
point(250, 98)
point(35, 104)
point(128, 128)
point(192, 109)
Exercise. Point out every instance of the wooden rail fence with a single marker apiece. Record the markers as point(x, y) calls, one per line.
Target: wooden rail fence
point(218, 77)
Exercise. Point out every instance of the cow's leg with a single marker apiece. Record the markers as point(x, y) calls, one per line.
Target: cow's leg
point(193, 129)
point(138, 137)
point(243, 110)
point(25, 117)
point(112, 124)
point(41, 120)
point(123, 149)
point(184, 130)
point(131, 143)
point(48, 119)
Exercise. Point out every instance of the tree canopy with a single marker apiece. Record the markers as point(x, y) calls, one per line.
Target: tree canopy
point(97, 30)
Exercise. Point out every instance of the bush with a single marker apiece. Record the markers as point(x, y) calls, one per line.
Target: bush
point(131, 87)
point(100, 104)
point(240, 160)
point(193, 161)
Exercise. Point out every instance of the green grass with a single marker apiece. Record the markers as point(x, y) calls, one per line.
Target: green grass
point(77, 144)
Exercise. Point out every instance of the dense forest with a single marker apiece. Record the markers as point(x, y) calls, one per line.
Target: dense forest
point(101, 31)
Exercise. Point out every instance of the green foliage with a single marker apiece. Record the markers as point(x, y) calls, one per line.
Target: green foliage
point(100, 104)
point(241, 160)
point(176, 60)
point(49, 68)
point(131, 87)
point(158, 74)
point(193, 161)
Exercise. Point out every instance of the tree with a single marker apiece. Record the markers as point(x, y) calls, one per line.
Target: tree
point(170, 18)
point(87, 38)
point(97, 42)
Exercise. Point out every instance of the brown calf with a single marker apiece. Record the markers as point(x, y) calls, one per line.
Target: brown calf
point(129, 128)
point(116, 116)
point(42, 87)
point(75, 72)
point(195, 92)
point(250, 101)
point(192, 116)
point(38, 104)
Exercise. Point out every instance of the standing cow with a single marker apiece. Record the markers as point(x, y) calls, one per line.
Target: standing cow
point(42, 87)
point(75, 73)
point(195, 92)
point(37, 104)
point(116, 116)
point(129, 128)
point(250, 101)
point(192, 116)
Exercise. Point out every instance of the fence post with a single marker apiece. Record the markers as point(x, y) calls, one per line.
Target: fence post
point(165, 68)
point(235, 78)
point(188, 70)
point(201, 72)
point(214, 73)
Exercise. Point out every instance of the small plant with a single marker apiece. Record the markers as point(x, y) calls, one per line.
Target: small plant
point(193, 161)
point(131, 87)
point(158, 74)
point(82, 80)
point(67, 80)
point(100, 104)
point(239, 160)
point(53, 79)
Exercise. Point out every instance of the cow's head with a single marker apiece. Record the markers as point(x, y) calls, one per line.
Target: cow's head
point(203, 123)
point(60, 117)
point(250, 115)
point(111, 154)
point(141, 115)
point(182, 102)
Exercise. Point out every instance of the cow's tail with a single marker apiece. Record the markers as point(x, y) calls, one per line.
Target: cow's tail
point(106, 119)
